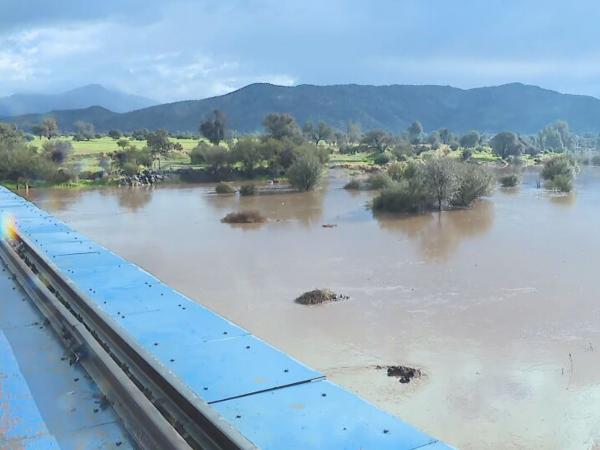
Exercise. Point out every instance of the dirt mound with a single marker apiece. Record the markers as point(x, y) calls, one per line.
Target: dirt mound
point(403, 373)
point(244, 217)
point(319, 296)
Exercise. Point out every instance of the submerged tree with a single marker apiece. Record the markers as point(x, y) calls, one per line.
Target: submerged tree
point(304, 174)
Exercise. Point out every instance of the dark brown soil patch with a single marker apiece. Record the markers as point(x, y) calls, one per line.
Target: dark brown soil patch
point(403, 373)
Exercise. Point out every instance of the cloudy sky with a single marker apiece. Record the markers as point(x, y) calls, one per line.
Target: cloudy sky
point(183, 49)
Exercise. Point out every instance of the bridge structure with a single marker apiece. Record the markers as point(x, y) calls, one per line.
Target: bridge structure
point(97, 353)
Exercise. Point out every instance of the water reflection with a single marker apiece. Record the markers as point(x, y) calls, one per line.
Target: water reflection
point(304, 208)
point(56, 199)
point(133, 198)
point(563, 199)
point(440, 234)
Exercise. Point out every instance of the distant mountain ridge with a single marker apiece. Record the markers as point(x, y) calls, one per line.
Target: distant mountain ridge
point(82, 97)
point(515, 106)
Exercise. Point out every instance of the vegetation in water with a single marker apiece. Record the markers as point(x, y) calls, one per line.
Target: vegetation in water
point(224, 188)
point(558, 173)
point(510, 180)
point(248, 189)
point(435, 184)
point(244, 217)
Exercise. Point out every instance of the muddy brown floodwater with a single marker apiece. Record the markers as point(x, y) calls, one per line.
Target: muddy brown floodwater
point(499, 305)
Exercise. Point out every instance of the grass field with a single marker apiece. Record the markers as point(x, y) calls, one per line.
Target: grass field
point(108, 145)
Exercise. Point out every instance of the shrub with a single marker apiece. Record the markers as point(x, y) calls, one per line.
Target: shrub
point(473, 182)
point(379, 181)
point(562, 183)
point(509, 180)
point(224, 188)
point(352, 185)
point(559, 172)
point(466, 154)
point(129, 168)
point(248, 189)
point(61, 176)
point(396, 170)
point(406, 196)
point(381, 159)
point(57, 151)
point(305, 173)
point(596, 160)
point(244, 217)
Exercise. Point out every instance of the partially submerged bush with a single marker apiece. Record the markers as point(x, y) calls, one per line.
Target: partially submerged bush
point(319, 296)
point(396, 170)
point(379, 181)
point(305, 173)
point(595, 160)
point(352, 185)
point(473, 182)
point(248, 189)
point(406, 196)
point(224, 188)
point(562, 183)
point(559, 172)
point(509, 180)
point(439, 182)
point(244, 217)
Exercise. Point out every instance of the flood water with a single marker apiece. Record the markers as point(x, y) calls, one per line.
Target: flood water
point(499, 305)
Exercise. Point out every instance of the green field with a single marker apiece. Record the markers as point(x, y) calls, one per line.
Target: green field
point(108, 145)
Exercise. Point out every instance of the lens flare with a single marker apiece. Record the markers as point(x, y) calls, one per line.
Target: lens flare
point(9, 227)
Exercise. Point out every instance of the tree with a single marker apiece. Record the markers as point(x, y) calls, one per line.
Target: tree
point(415, 132)
point(434, 139)
point(217, 158)
point(115, 134)
point(506, 144)
point(139, 134)
point(440, 176)
point(304, 174)
point(353, 132)
point(84, 131)
point(213, 128)
point(470, 139)
point(557, 137)
point(9, 135)
point(122, 143)
point(48, 128)
point(377, 140)
point(446, 136)
point(281, 126)
point(57, 151)
point(248, 153)
point(159, 144)
point(322, 132)
point(472, 182)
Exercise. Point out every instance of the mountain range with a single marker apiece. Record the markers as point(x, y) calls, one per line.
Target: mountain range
point(515, 106)
point(82, 97)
